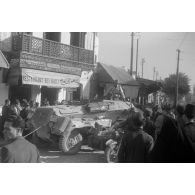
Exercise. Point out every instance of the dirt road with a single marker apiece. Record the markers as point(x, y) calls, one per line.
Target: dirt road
point(56, 156)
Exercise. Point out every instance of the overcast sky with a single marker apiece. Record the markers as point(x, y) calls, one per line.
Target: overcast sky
point(158, 49)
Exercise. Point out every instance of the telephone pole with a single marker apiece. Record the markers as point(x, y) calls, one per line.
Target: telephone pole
point(137, 56)
point(154, 73)
point(177, 77)
point(94, 60)
point(131, 65)
point(143, 61)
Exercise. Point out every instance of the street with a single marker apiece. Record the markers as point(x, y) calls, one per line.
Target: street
point(56, 156)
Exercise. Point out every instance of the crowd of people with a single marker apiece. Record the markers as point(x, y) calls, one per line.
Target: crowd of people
point(159, 135)
point(16, 108)
point(15, 148)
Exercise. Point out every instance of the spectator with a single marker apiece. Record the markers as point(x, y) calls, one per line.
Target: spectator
point(170, 146)
point(180, 108)
point(13, 112)
point(36, 105)
point(158, 123)
point(45, 102)
point(18, 106)
point(149, 126)
point(25, 111)
point(23, 103)
point(18, 150)
point(5, 110)
point(136, 144)
point(189, 127)
point(31, 104)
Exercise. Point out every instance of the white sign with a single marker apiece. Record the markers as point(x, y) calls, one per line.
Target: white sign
point(50, 79)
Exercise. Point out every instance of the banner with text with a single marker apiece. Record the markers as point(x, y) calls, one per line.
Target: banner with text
point(50, 79)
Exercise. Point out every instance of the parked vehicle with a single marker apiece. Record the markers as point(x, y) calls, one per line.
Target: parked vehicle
point(69, 127)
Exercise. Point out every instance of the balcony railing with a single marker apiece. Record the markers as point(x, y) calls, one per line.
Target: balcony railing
point(45, 47)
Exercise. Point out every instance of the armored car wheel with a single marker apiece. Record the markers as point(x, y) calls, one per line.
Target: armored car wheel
point(71, 143)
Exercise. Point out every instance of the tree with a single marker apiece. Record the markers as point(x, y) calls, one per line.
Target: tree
point(169, 86)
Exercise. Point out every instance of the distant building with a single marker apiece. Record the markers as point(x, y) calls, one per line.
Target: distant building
point(49, 64)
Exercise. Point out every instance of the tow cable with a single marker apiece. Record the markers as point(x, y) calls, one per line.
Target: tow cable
point(33, 131)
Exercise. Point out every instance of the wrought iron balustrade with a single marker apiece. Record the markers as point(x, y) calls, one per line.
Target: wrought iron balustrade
point(50, 48)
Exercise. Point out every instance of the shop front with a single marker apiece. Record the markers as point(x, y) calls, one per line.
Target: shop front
point(38, 85)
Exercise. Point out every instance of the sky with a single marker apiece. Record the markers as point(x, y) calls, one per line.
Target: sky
point(157, 48)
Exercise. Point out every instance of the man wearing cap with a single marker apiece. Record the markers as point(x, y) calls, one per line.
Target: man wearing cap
point(17, 149)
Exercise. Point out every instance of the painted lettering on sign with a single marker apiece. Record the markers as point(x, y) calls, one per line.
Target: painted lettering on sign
point(37, 77)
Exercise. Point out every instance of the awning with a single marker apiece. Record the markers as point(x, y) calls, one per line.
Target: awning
point(3, 61)
point(43, 78)
point(110, 74)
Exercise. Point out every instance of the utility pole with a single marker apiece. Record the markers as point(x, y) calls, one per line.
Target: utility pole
point(94, 61)
point(143, 61)
point(137, 56)
point(177, 77)
point(131, 65)
point(154, 73)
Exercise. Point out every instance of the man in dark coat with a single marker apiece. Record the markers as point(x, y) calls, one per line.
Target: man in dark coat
point(18, 149)
point(5, 110)
point(149, 126)
point(136, 144)
point(189, 126)
point(170, 146)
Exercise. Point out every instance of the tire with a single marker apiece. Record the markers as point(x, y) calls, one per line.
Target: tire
point(111, 154)
point(71, 144)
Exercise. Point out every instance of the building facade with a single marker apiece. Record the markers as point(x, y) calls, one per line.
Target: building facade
point(4, 89)
point(49, 64)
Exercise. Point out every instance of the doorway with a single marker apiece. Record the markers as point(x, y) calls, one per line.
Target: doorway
point(20, 92)
point(51, 94)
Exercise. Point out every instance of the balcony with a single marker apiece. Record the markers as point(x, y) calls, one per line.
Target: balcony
point(53, 51)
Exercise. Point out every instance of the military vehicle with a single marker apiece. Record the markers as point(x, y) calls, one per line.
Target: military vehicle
point(71, 126)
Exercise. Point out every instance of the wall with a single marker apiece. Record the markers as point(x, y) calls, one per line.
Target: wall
point(85, 81)
point(5, 41)
point(131, 91)
point(89, 40)
point(4, 89)
point(3, 95)
point(96, 49)
point(65, 38)
point(62, 95)
point(38, 34)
